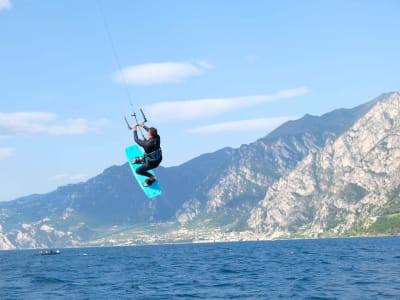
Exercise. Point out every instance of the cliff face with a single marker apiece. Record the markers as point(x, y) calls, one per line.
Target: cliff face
point(239, 178)
point(242, 176)
point(350, 185)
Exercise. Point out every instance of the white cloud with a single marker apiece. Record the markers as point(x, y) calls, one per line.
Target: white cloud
point(201, 108)
point(48, 123)
point(6, 152)
point(265, 124)
point(5, 4)
point(157, 73)
point(76, 126)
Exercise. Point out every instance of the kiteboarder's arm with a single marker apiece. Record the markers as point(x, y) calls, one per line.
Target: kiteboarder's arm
point(135, 136)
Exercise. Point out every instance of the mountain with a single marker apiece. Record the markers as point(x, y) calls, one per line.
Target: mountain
point(351, 186)
point(279, 186)
point(239, 178)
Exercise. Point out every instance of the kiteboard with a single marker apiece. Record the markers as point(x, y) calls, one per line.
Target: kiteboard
point(151, 191)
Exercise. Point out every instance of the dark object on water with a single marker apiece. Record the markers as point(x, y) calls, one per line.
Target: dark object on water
point(50, 252)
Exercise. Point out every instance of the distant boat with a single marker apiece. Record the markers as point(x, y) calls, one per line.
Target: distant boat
point(50, 252)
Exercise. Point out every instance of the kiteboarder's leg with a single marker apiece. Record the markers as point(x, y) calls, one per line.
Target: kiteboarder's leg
point(142, 170)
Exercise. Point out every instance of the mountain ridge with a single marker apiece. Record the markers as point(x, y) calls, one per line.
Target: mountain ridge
point(214, 194)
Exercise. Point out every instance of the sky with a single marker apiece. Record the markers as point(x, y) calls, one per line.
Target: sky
point(208, 74)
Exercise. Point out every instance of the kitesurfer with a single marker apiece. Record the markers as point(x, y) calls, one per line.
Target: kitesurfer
point(152, 152)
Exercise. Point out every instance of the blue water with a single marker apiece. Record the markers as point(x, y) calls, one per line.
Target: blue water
point(362, 268)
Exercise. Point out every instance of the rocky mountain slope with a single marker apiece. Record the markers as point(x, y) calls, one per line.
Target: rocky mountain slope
point(351, 186)
point(240, 177)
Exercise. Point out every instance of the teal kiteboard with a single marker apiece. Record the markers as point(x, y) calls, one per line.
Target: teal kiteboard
point(151, 191)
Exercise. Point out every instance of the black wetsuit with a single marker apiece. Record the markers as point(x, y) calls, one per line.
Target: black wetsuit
point(152, 150)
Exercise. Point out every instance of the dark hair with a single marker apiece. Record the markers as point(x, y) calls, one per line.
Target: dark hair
point(153, 131)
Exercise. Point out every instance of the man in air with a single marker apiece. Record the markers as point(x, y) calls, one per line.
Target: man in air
point(152, 152)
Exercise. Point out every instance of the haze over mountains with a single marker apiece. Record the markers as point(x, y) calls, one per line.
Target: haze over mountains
point(332, 175)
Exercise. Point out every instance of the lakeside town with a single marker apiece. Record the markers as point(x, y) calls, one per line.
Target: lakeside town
point(179, 235)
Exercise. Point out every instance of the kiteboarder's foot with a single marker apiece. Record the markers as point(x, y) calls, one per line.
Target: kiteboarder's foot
point(137, 160)
point(149, 181)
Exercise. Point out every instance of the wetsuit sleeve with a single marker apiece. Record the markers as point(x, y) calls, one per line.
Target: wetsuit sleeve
point(137, 140)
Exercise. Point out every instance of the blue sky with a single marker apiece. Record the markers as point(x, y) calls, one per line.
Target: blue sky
point(208, 74)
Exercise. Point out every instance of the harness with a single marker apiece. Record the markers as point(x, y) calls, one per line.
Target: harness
point(153, 156)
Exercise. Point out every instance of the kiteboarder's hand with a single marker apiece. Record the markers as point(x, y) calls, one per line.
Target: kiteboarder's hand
point(141, 124)
point(134, 127)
